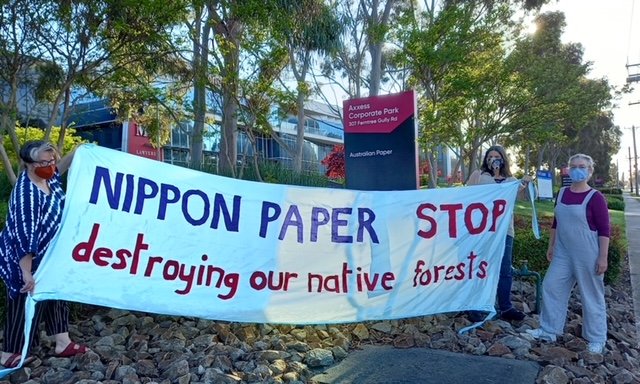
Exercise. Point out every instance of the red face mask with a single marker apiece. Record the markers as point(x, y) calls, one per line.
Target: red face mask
point(45, 172)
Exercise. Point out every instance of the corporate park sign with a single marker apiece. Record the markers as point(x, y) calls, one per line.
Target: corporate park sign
point(380, 140)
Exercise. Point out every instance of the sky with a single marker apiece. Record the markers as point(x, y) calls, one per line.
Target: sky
point(610, 34)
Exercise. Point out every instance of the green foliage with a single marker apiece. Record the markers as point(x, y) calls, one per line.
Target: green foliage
point(611, 191)
point(617, 254)
point(614, 204)
point(272, 172)
point(71, 140)
point(527, 247)
point(5, 188)
point(568, 112)
point(3, 207)
point(613, 197)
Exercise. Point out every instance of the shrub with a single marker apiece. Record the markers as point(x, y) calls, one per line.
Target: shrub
point(71, 139)
point(275, 173)
point(5, 192)
point(611, 191)
point(617, 254)
point(614, 197)
point(527, 247)
point(614, 204)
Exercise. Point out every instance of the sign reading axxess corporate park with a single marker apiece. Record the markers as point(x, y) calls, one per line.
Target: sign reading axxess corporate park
point(381, 151)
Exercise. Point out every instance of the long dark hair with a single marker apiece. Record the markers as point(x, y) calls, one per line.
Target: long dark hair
point(505, 170)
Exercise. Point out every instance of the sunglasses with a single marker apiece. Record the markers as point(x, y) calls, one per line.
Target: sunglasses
point(45, 163)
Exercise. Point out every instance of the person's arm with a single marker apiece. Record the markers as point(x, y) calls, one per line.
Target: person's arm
point(27, 277)
point(65, 163)
point(522, 188)
point(600, 215)
point(474, 179)
point(603, 255)
point(552, 243)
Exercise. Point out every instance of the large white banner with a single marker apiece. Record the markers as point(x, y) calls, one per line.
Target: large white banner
point(142, 235)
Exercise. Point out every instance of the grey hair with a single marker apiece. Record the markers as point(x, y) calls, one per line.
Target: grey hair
point(31, 150)
point(584, 157)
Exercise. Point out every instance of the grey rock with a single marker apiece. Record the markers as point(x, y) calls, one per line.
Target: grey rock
point(319, 358)
point(624, 377)
point(552, 374)
point(176, 370)
point(125, 370)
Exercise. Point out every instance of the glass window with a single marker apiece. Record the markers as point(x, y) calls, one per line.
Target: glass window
point(180, 134)
point(211, 137)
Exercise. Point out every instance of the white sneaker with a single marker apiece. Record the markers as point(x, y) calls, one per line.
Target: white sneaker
point(595, 347)
point(539, 334)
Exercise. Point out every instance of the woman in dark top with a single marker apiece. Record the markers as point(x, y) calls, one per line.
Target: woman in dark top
point(33, 219)
point(495, 169)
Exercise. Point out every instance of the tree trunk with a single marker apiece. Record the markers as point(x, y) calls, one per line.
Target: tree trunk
point(301, 76)
point(299, 151)
point(433, 170)
point(454, 171)
point(375, 24)
point(8, 126)
point(200, 66)
point(63, 123)
point(375, 50)
point(11, 175)
point(231, 59)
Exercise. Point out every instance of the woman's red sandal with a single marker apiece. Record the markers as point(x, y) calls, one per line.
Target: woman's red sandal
point(72, 349)
point(14, 360)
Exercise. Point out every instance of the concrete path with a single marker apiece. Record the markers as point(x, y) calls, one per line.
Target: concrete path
point(632, 220)
point(386, 364)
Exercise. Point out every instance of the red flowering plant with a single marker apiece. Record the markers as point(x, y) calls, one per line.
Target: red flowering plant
point(335, 163)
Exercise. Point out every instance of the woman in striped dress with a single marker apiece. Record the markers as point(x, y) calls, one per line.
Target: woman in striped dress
point(33, 219)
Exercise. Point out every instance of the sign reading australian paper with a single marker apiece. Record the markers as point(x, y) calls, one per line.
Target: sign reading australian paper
point(381, 150)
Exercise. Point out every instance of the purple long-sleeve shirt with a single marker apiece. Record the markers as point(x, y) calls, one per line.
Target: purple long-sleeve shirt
point(597, 210)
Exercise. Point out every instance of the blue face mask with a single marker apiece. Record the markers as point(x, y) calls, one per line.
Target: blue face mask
point(578, 174)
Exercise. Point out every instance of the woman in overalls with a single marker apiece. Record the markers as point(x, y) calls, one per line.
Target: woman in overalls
point(578, 251)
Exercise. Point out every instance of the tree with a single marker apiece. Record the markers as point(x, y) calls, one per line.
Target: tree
point(564, 100)
point(70, 45)
point(360, 61)
point(239, 31)
point(455, 58)
point(70, 141)
point(600, 139)
point(18, 59)
point(309, 28)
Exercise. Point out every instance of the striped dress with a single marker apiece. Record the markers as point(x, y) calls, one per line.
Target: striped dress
point(33, 220)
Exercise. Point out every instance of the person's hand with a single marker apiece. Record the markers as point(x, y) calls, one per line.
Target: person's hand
point(29, 282)
point(527, 179)
point(550, 254)
point(601, 265)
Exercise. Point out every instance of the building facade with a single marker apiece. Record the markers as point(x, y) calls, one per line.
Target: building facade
point(97, 121)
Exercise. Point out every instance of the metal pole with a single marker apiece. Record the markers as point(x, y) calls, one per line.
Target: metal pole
point(630, 172)
point(635, 157)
